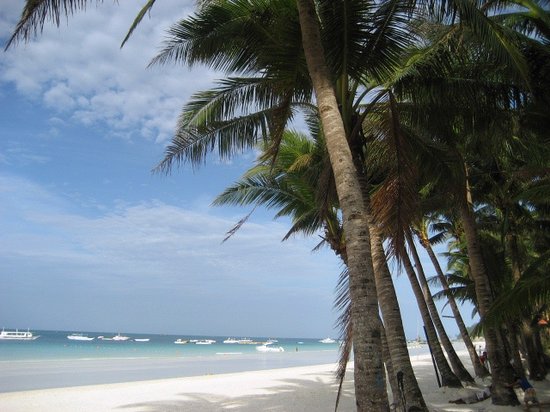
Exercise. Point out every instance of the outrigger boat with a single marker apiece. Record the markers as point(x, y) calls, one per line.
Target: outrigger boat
point(16, 335)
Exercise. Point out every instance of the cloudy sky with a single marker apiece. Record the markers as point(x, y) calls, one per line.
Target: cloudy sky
point(91, 240)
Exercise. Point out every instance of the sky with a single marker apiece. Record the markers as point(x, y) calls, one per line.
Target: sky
point(92, 240)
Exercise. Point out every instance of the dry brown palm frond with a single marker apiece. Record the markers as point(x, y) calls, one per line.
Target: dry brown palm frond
point(394, 201)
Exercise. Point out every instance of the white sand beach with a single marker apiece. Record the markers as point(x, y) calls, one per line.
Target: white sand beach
point(309, 388)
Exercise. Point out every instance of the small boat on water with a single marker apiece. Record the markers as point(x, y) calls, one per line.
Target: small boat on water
point(142, 339)
point(119, 337)
point(79, 336)
point(327, 340)
point(181, 341)
point(205, 342)
point(269, 348)
point(16, 335)
point(231, 340)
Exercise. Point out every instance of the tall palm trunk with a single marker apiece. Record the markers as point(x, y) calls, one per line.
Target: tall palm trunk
point(496, 352)
point(448, 378)
point(391, 314)
point(537, 369)
point(479, 369)
point(370, 382)
point(456, 364)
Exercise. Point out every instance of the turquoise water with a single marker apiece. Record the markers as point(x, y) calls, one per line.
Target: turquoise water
point(54, 345)
point(53, 361)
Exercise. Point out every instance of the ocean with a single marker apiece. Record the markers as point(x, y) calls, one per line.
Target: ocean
point(53, 360)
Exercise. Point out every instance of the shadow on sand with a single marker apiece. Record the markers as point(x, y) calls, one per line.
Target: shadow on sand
point(291, 395)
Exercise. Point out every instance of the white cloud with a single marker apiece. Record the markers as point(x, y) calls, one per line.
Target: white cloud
point(153, 253)
point(150, 238)
point(80, 67)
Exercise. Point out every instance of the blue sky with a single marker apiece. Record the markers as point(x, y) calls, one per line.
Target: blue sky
point(91, 240)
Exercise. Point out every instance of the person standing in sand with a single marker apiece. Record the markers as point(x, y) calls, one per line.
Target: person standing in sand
point(529, 393)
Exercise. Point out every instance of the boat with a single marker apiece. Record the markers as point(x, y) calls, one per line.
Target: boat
point(205, 342)
point(269, 348)
point(272, 340)
point(16, 335)
point(104, 338)
point(180, 341)
point(231, 340)
point(245, 341)
point(142, 339)
point(119, 337)
point(327, 340)
point(79, 336)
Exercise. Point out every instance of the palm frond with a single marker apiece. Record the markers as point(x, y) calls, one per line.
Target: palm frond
point(37, 12)
point(394, 200)
point(531, 291)
point(148, 6)
point(342, 303)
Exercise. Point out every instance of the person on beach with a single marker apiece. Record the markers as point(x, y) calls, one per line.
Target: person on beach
point(529, 393)
point(474, 397)
point(484, 359)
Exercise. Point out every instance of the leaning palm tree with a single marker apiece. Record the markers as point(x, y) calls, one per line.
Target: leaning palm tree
point(300, 184)
point(447, 119)
point(456, 364)
point(426, 241)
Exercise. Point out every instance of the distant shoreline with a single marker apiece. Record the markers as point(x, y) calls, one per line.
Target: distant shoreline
point(24, 375)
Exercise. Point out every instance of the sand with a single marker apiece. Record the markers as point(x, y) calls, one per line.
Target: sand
point(309, 388)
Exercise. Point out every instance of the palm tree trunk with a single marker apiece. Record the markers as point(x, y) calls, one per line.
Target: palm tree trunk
point(448, 378)
point(498, 359)
point(390, 370)
point(391, 314)
point(456, 364)
point(480, 370)
point(370, 382)
point(537, 371)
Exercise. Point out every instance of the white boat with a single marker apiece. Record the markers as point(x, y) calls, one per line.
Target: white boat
point(327, 340)
point(104, 338)
point(180, 341)
point(271, 340)
point(119, 337)
point(245, 341)
point(231, 340)
point(269, 348)
point(79, 336)
point(205, 342)
point(16, 335)
point(142, 339)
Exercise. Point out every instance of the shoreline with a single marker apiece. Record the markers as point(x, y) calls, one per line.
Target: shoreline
point(25, 375)
point(298, 388)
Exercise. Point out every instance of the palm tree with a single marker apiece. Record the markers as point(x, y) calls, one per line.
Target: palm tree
point(454, 124)
point(456, 364)
point(448, 378)
point(426, 241)
point(299, 184)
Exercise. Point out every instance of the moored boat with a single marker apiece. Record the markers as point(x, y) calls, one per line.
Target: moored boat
point(142, 339)
point(17, 335)
point(231, 340)
point(79, 336)
point(119, 337)
point(327, 340)
point(269, 348)
point(181, 341)
point(205, 342)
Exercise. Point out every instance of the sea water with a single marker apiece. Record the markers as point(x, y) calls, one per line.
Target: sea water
point(54, 345)
point(53, 360)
